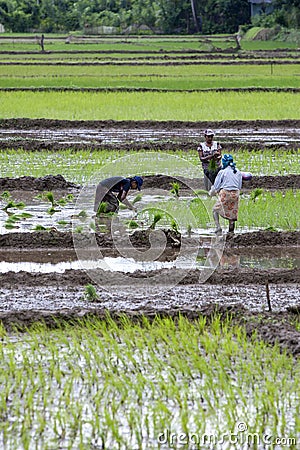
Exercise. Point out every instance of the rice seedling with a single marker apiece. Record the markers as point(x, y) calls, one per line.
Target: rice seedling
point(102, 208)
point(157, 217)
point(5, 195)
point(39, 227)
point(174, 226)
point(139, 379)
point(256, 193)
point(175, 189)
point(137, 198)
point(133, 224)
point(13, 204)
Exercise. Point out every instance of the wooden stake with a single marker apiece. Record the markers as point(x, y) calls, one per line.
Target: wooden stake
point(268, 295)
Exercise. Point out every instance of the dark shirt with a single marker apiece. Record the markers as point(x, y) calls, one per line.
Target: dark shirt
point(116, 184)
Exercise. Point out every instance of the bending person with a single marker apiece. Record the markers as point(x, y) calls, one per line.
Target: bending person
point(113, 190)
point(227, 185)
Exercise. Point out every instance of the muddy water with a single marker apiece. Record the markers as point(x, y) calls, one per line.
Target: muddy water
point(57, 298)
point(289, 136)
point(59, 261)
point(43, 133)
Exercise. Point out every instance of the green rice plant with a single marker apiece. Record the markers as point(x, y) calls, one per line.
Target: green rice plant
point(133, 224)
point(63, 201)
point(139, 379)
point(5, 195)
point(102, 208)
point(157, 217)
point(137, 198)
point(49, 196)
point(40, 228)
point(9, 225)
point(212, 165)
point(25, 215)
point(63, 222)
point(175, 189)
point(174, 226)
point(257, 192)
point(93, 226)
point(13, 204)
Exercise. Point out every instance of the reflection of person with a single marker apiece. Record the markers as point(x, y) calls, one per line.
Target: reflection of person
point(227, 185)
point(113, 190)
point(210, 157)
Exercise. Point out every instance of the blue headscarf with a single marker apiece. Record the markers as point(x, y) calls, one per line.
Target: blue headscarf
point(139, 181)
point(227, 160)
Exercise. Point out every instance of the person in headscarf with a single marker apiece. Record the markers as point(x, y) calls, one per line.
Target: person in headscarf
point(210, 156)
point(113, 190)
point(227, 185)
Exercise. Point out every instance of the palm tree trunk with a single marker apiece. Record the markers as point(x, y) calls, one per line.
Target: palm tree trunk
point(193, 5)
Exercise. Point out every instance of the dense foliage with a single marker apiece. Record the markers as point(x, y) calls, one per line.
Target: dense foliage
point(164, 16)
point(286, 14)
point(160, 16)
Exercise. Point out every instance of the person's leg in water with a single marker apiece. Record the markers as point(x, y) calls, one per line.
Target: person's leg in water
point(207, 183)
point(217, 222)
point(231, 226)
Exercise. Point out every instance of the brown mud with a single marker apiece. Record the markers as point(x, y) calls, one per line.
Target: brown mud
point(140, 239)
point(58, 182)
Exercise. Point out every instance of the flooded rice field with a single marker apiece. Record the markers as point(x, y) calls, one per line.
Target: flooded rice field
point(62, 270)
point(48, 257)
point(35, 134)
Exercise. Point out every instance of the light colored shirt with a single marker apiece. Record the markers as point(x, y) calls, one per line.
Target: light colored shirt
point(228, 180)
point(206, 150)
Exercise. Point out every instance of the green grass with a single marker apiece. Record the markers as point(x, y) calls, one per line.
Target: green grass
point(199, 106)
point(121, 385)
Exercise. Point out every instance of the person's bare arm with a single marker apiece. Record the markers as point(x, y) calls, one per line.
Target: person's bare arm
point(125, 201)
point(128, 204)
point(204, 158)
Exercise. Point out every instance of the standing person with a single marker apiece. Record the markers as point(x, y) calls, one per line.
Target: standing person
point(113, 190)
point(227, 185)
point(210, 156)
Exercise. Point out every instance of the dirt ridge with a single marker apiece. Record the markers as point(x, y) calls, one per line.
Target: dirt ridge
point(51, 182)
point(140, 239)
point(271, 328)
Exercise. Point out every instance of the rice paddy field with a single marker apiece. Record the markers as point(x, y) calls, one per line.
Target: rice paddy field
point(143, 329)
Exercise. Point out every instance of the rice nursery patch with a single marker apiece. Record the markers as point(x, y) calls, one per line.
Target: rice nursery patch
point(149, 76)
point(258, 209)
point(158, 106)
point(80, 165)
point(102, 384)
